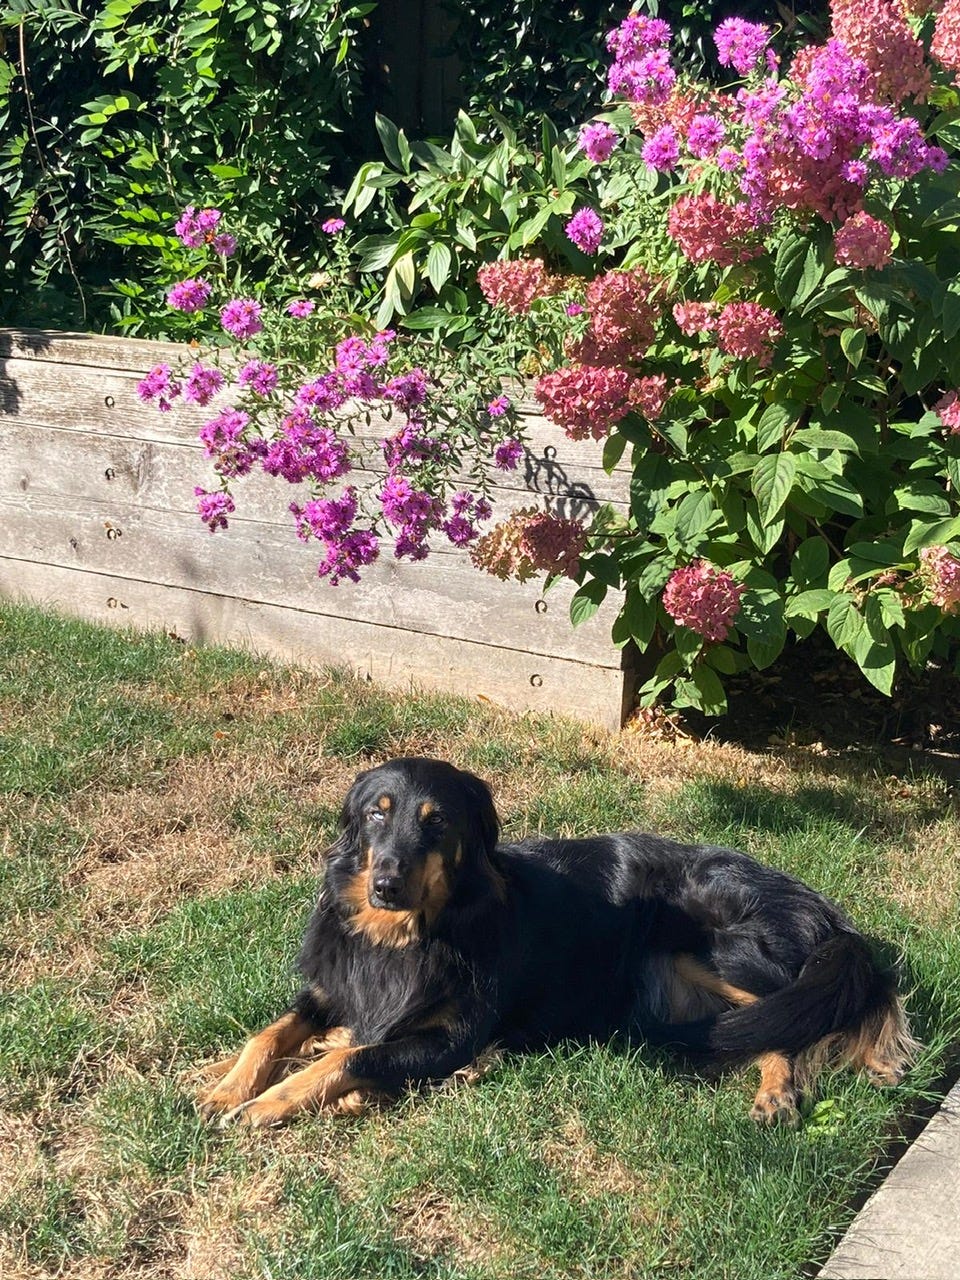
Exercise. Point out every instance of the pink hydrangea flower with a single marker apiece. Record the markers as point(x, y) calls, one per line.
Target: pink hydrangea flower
point(585, 400)
point(748, 331)
point(695, 317)
point(945, 46)
point(863, 241)
point(876, 32)
point(940, 574)
point(710, 230)
point(241, 318)
point(948, 407)
point(515, 285)
point(189, 295)
point(650, 394)
point(623, 319)
point(530, 542)
point(597, 140)
point(585, 229)
point(703, 598)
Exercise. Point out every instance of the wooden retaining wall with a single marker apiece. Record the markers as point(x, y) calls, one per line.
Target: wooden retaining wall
point(97, 519)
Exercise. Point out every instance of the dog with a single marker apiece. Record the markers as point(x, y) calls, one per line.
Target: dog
point(430, 941)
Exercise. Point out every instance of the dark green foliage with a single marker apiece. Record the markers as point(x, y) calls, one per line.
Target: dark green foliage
point(115, 114)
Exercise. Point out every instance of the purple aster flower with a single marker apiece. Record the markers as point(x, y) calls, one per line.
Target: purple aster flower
point(407, 390)
point(224, 244)
point(728, 159)
point(326, 518)
point(740, 44)
point(662, 149)
point(202, 384)
point(348, 554)
point(498, 407)
point(507, 455)
point(573, 309)
point(160, 386)
point(260, 376)
point(241, 318)
point(332, 226)
point(213, 508)
point(188, 295)
point(460, 530)
point(300, 308)
point(705, 135)
point(597, 140)
point(585, 229)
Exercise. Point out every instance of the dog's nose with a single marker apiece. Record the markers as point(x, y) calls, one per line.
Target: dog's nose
point(388, 888)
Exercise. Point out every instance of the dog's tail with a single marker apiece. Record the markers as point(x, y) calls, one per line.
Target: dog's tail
point(841, 1006)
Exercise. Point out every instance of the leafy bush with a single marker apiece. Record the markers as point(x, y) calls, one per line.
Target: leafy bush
point(750, 293)
point(111, 111)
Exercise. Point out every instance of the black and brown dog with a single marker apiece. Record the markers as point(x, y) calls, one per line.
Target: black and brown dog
point(430, 940)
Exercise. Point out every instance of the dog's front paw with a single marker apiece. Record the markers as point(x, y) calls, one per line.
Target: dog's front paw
point(223, 1097)
point(775, 1106)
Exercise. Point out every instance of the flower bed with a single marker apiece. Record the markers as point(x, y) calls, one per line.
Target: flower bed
point(98, 518)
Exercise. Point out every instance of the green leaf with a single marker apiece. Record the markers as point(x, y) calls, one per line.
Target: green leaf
point(586, 601)
point(845, 625)
point(771, 482)
point(712, 700)
point(798, 269)
point(818, 438)
point(810, 561)
point(925, 534)
point(389, 136)
point(613, 448)
point(693, 515)
point(439, 260)
point(774, 421)
point(763, 653)
point(809, 604)
point(853, 343)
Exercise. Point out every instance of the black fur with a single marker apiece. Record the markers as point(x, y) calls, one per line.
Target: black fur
point(546, 940)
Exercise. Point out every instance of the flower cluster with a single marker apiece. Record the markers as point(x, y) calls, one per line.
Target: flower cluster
point(948, 410)
point(740, 44)
point(863, 241)
point(213, 508)
point(189, 295)
point(748, 331)
point(622, 321)
point(585, 400)
point(876, 32)
point(161, 386)
point(945, 46)
point(708, 229)
point(940, 575)
point(641, 70)
point(597, 141)
point(195, 228)
point(585, 230)
point(703, 598)
point(531, 542)
point(515, 285)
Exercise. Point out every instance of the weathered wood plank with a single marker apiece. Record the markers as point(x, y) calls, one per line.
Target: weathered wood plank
point(82, 398)
point(508, 677)
point(443, 596)
point(160, 474)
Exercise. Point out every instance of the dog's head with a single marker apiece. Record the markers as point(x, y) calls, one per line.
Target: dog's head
point(413, 832)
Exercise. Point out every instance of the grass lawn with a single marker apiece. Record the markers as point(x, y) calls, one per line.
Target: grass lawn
point(164, 812)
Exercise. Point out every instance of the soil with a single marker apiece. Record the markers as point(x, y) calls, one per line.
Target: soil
point(815, 694)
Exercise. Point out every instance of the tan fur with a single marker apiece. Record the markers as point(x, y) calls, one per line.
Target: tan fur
point(322, 1084)
point(883, 1048)
point(430, 890)
point(776, 1100)
point(256, 1063)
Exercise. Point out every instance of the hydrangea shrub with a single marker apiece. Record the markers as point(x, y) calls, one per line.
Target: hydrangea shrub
point(760, 316)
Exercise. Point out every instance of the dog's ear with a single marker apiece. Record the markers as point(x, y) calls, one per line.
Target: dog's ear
point(347, 842)
point(486, 822)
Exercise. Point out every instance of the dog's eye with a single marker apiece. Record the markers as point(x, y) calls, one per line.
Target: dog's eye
point(375, 815)
point(435, 820)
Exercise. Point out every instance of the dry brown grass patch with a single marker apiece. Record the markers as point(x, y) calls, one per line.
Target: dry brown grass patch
point(587, 1172)
point(923, 873)
point(431, 1226)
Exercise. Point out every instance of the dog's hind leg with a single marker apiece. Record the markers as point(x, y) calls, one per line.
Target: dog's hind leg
point(776, 1100)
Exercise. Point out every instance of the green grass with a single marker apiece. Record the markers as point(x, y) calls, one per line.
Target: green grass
point(163, 812)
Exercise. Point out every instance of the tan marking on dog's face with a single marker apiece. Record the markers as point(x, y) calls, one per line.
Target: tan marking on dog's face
point(425, 810)
point(386, 928)
point(385, 804)
point(435, 886)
